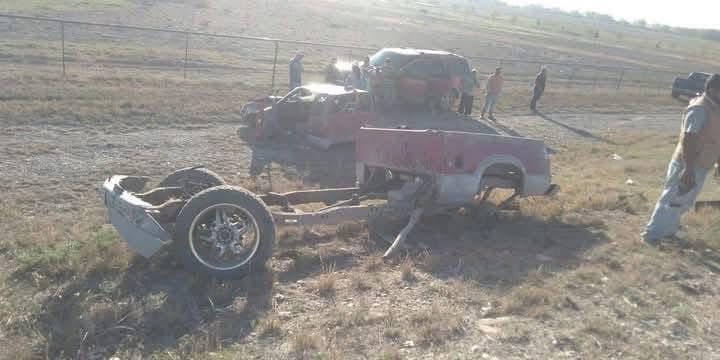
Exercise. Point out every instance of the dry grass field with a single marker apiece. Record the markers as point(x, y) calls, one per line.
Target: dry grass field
point(563, 277)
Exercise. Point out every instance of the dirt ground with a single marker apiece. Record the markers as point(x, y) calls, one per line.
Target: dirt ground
point(459, 292)
point(563, 277)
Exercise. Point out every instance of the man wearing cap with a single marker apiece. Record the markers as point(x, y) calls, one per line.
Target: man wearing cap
point(296, 69)
point(698, 150)
point(539, 89)
point(493, 87)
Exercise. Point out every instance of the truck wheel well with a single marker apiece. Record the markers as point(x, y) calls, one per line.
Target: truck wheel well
point(502, 175)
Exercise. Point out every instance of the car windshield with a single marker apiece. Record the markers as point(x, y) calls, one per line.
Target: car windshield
point(422, 68)
point(458, 66)
point(299, 95)
point(699, 76)
point(325, 104)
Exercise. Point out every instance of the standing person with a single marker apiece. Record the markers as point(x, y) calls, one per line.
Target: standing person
point(469, 83)
point(697, 151)
point(366, 67)
point(387, 83)
point(493, 88)
point(296, 69)
point(332, 75)
point(357, 78)
point(371, 75)
point(539, 89)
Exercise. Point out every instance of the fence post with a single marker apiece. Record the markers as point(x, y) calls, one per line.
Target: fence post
point(187, 46)
point(62, 46)
point(272, 83)
point(622, 75)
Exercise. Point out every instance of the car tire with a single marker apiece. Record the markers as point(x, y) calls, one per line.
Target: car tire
point(199, 220)
point(192, 180)
point(250, 120)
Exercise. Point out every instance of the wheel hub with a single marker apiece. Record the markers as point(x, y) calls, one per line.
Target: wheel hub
point(228, 236)
point(224, 234)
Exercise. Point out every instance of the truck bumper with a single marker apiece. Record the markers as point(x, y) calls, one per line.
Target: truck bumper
point(131, 216)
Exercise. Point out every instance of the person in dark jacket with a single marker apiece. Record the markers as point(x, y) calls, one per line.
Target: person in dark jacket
point(387, 84)
point(539, 89)
point(356, 79)
point(296, 70)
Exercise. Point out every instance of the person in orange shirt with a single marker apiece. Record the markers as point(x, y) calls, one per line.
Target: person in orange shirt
point(493, 87)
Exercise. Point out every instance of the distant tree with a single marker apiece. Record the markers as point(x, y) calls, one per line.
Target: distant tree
point(658, 45)
point(640, 23)
point(708, 34)
point(596, 34)
point(605, 18)
point(537, 22)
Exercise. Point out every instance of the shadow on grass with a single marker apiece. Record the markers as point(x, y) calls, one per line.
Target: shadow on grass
point(507, 130)
point(304, 254)
point(514, 247)
point(152, 306)
point(580, 132)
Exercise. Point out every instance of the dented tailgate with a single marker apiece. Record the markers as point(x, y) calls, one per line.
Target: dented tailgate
point(132, 218)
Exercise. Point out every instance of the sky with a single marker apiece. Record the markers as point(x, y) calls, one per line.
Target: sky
point(692, 14)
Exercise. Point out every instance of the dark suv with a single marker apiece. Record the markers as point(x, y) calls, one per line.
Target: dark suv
point(691, 86)
point(424, 74)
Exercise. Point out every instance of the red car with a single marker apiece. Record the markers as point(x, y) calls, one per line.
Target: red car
point(326, 114)
point(423, 75)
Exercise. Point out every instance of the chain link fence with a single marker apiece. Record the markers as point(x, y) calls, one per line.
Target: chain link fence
point(61, 48)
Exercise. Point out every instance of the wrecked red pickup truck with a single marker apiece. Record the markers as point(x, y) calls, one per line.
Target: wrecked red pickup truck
point(325, 114)
point(227, 231)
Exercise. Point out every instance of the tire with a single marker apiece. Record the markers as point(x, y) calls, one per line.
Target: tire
point(192, 230)
point(250, 120)
point(193, 180)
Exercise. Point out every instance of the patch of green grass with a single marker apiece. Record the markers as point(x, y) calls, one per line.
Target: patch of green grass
point(100, 250)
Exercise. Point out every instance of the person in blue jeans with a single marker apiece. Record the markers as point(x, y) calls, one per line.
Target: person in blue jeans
point(697, 152)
